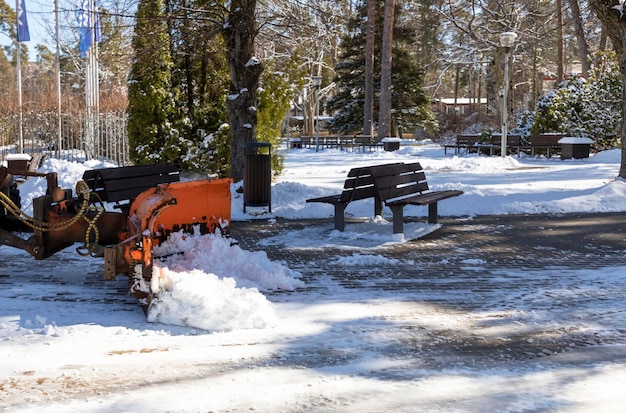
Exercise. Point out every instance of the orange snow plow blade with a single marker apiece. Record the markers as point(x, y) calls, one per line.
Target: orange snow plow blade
point(198, 207)
point(202, 204)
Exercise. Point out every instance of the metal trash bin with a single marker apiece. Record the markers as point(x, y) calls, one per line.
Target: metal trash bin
point(295, 143)
point(391, 144)
point(257, 175)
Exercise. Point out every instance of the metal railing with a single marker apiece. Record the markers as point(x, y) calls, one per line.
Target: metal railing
point(82, 137)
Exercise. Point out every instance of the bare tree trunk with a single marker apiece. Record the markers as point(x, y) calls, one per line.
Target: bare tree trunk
point(615, 26)
point(239, 34)
point(384, 115)
point(368, 105)
point(559, 39)
point(603, 39)
point(583, 48)
point(457, 69)
point(536, 87)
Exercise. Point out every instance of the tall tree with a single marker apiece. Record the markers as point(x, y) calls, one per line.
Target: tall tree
point(239, 33)
point(7, 19)
point(149, 91)
point(7, 77)
point(560, 39)
point(370, 43)
point(475, 30)
point(611, 13)
point(199, 72)
point(408, 97)
point(579, 31)
point(384, 115)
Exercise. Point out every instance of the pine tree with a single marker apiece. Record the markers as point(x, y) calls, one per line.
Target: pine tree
point(200, 78)
point(585, 107)
point(409, 102)
point(239, 32)
point(150, 135)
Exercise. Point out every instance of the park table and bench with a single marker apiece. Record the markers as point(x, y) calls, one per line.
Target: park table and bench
point(536, 144)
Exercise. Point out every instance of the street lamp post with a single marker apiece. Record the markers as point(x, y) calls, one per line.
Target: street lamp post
point(507, 39)
point(317, 82)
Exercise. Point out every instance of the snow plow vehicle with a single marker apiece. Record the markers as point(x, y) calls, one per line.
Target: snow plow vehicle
point(118, 214)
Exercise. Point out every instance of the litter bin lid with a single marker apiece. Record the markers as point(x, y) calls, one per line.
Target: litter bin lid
point(253, 148)
point(574, 140)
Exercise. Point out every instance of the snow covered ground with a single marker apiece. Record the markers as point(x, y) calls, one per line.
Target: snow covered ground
point(239, 332)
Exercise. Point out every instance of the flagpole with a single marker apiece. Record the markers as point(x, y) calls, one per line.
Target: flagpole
point(90, 35)
point(19, 100)
point(91, 82)
point(96, 82)
point(19, 82)
point(58, 79)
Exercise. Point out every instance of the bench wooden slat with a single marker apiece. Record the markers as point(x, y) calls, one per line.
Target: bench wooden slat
point(395, 180)
point(392, 169)
point(359, 193)
point(358, 181)
point(425, 199)
point(390, 193)
point(331, 199)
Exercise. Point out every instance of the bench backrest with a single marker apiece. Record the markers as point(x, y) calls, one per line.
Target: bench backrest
point(511, 140)
point(359, 185)
point(364, 140)
point(117, 184)
point(384, 182)
point(399, 180)
point(546, 139)
point(465, 140)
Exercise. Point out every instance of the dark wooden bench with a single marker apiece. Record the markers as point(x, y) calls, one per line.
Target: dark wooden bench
point(514, 144)
point(359, 143)
point(463, 144)
point(125, 183)
point(545, 142)
point(473, 143)
point(396, 185)
point(324, 140)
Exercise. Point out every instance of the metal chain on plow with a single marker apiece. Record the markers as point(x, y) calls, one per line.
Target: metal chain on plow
point(82, 190)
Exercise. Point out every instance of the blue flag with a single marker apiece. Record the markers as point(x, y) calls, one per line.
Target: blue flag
point(88, 25)
point(23, 35)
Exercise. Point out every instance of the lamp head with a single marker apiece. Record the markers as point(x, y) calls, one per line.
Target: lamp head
point(507, 39)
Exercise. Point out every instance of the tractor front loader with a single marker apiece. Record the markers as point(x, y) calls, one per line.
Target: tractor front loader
point(116, 213)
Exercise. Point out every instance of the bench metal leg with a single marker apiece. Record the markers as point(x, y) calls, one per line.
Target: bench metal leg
point(398, 219)
point(432, 213)
point(378, 206)
point(340, 222)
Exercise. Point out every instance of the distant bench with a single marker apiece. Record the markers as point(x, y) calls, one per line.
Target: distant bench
point(490, 145)
point(464, 143)
point(343, 142)
point(548, 142)
point(396, 185)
